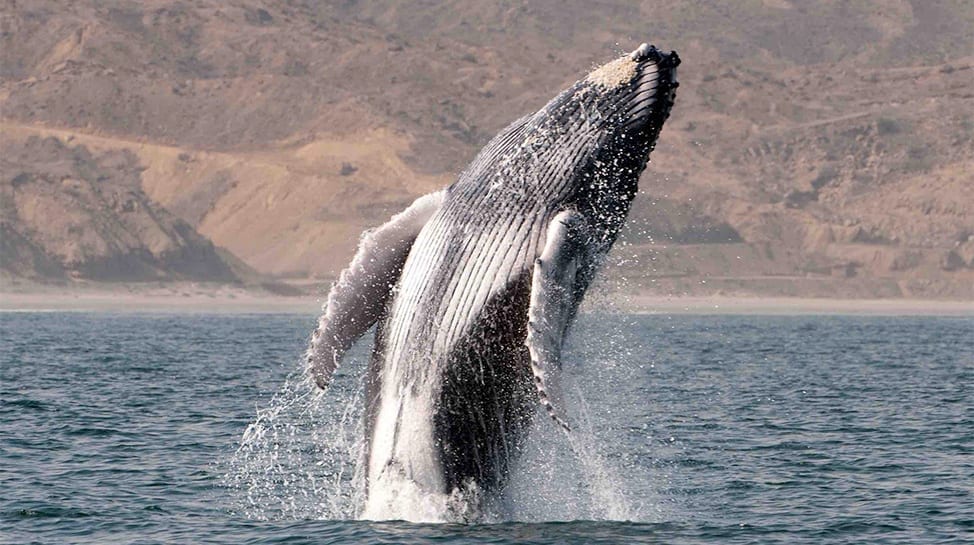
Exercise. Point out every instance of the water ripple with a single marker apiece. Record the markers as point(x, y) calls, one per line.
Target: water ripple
point(706, 429)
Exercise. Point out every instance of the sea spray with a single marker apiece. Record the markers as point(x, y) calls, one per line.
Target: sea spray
point(610, 497)
point(567, 476)
point(300, 457)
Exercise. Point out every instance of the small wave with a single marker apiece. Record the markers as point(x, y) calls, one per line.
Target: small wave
point(49, 511)
point(91, 431)
point(30, 404)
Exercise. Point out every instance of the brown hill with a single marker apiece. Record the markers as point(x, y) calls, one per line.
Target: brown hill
point(70, 214)
point(816, 148)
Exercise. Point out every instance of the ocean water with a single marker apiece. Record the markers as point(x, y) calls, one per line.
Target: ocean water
point(131, 428)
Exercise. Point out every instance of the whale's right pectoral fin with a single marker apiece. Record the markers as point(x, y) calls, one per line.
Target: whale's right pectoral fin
point(360, 296)
point(553, 303)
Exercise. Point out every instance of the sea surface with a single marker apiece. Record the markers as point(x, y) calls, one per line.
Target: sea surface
point(141, 428)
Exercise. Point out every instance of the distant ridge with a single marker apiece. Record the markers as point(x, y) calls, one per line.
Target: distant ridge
point(71, 214)
point(816, 148)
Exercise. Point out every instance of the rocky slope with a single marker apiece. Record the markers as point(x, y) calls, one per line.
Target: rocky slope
point(70, 214)
point(816, 148)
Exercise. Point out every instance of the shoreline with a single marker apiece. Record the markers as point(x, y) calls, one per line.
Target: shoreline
point(724, 305)
point(220, 302)
point(239, 301)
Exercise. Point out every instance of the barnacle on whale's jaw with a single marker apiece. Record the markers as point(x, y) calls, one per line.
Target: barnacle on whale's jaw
point(634, 92)
point(633, 96)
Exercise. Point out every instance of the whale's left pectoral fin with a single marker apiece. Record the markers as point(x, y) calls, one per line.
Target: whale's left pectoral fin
point(553, 303)
point(360, 296)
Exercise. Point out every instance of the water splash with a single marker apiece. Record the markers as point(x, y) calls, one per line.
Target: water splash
point(299, 458)
point(568, 476)
point(302, 457)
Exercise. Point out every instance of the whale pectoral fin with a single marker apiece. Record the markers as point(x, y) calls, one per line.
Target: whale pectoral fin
point(359, 297)
point(553, 303)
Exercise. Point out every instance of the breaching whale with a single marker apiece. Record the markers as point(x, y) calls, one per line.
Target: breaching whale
point(472, 289)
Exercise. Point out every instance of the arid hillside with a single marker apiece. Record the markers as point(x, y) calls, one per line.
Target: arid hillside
point(816, 148)
point(69, 214)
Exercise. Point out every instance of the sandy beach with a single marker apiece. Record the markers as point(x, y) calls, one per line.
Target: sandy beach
point(190, 299)
point(194, 298)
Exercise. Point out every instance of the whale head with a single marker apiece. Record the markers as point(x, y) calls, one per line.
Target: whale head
point(627, 98)
point(635, 92)
point(587, 147)
point(598, 134)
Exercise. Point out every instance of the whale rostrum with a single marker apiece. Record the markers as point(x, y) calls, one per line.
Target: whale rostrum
point(472, 289)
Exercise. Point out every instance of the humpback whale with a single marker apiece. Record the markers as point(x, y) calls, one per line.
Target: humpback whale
point(472, 290)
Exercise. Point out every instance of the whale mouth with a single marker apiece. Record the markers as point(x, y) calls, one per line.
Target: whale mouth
point(653, 88)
